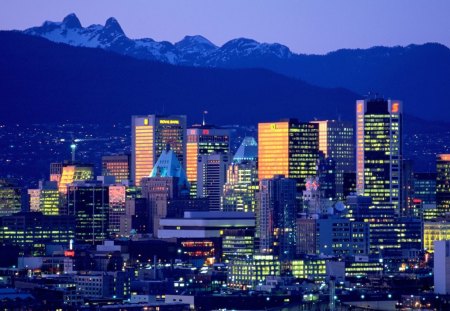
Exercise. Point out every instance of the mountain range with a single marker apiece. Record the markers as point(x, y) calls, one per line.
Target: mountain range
point(416, 74)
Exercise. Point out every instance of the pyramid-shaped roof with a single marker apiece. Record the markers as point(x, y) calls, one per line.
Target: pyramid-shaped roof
point(169, 166)
point(247, 151)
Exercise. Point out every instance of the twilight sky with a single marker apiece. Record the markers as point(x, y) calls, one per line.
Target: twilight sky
point(305, 26)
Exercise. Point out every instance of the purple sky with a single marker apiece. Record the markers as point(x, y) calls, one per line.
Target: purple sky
point(306, 26)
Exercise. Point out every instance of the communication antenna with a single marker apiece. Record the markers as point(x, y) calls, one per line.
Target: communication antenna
point(204, 117)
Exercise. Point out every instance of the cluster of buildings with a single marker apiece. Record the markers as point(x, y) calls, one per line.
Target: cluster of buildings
point(320, 201)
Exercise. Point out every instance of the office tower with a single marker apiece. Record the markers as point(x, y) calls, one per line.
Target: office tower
point(117, 196)
point(443, 184)
point(117, 166)
point(289, 148)
point(88, 203)
point(137, 218)
point(407, 189)
point(212, 170)
point(327, 176)
point(21, 229)
point(167, 181)
point(239, 192)
point(337, 141)
point(73, 173)
point(314, 201)
point(332, 236)
point(379, 151)
point(277, 216)
point(10, 197)
point(349, 183)
point(56, 172)
point(150, 136)
point(424, 186)
point(442, 267)
point(45, 198)
point(435, 231)
point(202, 140)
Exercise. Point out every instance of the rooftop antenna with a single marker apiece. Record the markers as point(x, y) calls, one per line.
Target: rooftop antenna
point(204, 117)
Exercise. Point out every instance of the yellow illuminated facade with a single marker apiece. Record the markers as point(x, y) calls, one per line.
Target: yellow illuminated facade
point(313, 269)
point(288, 148)
point(443, 184)
point(379, 150)
point(46, 199)
point(150, 136)
point(76, 172)
point(203, 140)
point(250, 271)
point(435, 231)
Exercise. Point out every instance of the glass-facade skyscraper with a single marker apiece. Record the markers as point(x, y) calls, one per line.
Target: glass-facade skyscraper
point(443, 184)
point(150, 136)
point(289, 148)
point(337, 141)
point(379, 151)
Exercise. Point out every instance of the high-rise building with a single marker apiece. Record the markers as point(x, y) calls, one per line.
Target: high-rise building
point(379, 151)
point(276, 219)
point(289, 148)
point(202, 140)
point(117, 196)
point(337, 141)
point(349, 183)
point(137, 217)
point(73, 173)
point(212, 170)
point(88, 203)
point(167, 181)
point(56, 172)
point(10, 197)
point(407, 189)
point(117, 166)
point(239, 192)
point(425, 187)
point(150, 136)
point(45, 198)
point(21, 229)
point(443, 184)
point(327, 174)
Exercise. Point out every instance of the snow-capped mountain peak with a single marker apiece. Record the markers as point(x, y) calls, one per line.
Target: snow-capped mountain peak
point(71, 21)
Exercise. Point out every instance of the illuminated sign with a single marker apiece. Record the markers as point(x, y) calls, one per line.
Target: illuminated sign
point(169, 121)
point(444, 157)
point(273, 126)
point(205, 132)
point(395, 107)
point(145, 121)
point(359, 108)
point(70, 253)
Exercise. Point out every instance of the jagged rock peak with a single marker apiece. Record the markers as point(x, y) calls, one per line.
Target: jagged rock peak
point(71, 21)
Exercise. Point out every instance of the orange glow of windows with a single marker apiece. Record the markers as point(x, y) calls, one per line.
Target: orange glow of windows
point(395, 107)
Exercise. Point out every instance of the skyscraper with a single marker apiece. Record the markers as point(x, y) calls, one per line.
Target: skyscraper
point(289, 148)
point(46, 198)
point(337, 141)
point(211, 174)
point(10, 197)
point(277, 213)
point(379, 151)
point(75, 172)
point(204, 139)
point(117, 166)
point(150, 136)
point(117, 197)
point(443, 184)
point(239, 192)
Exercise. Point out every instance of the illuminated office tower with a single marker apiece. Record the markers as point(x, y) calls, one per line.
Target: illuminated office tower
point(407, 207)
point(117, 195)
point(289, 148)
point(149, 138)
point(117, 166)
point(74, 172)
point(45, 198)
point(56, 172)
point(201, 140)
point(211, 172)
point(424, 185)
point(88, 202)
point(10, 197)
point(443, 184)
point(337, 141)
point(239, 192)
point(327, 174)
point(277, 211)
point(379, 151)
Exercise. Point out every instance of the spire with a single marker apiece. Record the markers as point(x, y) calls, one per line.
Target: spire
point(247, 151)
